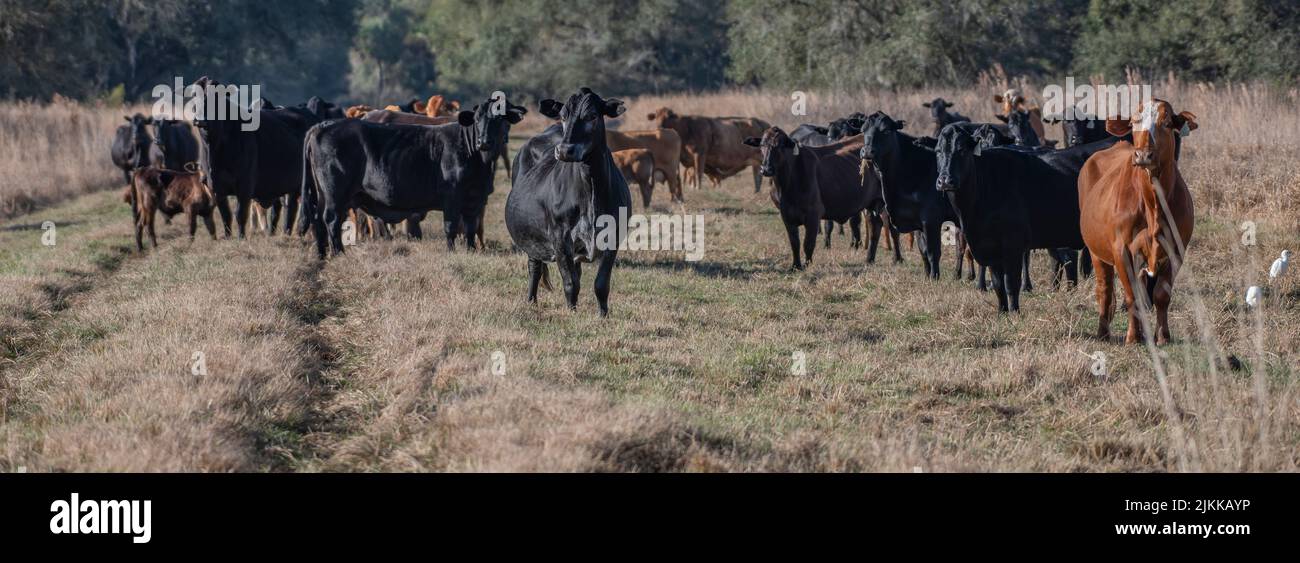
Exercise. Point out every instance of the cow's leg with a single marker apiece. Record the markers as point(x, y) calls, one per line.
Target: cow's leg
point(1024, 268)
point(139, 234)
point(830, 225)
point(675, 186)
point(1012, 282)
point(210, 224)
point(855, 225)
point(194, 223)
point(153, 216)
point(241, 214)
point(536, 269)
point(334, 222)
point(505, 157)
point(983, 283)
point(450, 228)
point(1072, 268)
point(961, 254)
point(889, 244)
point(471, 229)
point(571, 272)
point(934, 239)
point(999, 287)
point(925, 254)
point(699, 171)
point(647, 188)
point(809, 240)
point(1105, 296)
point(1161, 296)
point(1127, 278)
point(603, 275)
point(1085, 262)
point(273, 216)
point(291, 213)
point(792, 233)
point(223, 207)
point(758, 179)
point(874, 243)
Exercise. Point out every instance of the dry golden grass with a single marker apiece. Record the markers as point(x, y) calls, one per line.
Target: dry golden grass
point(382, 359)
point(51, 152)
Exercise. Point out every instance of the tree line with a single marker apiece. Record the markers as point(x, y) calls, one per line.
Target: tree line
point(382, 51)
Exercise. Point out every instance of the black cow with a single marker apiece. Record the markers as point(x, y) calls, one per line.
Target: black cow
point(264, 164)
point(322, 109)
point(816, 183)
point(174, 146)
point(131, 144)
point(906, 171)
point(941, 116)
point(1079, 128)
point(395, 172)
point(566, 196)
point(1011, 200)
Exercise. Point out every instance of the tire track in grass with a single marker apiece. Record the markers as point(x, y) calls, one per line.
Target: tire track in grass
point(188, 358)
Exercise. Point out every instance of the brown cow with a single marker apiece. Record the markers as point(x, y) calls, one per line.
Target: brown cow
point(715, 145)
point(172, 192)
point(1136, 214)
point(438, 106)
point(1012, 100)
point(637, 166)
point(358, 111)
point(665, 147)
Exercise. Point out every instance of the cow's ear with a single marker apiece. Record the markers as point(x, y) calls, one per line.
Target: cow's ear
point(614, 108)
point(515, 113)
point(753, 141)
point(925, 105)
point(1185, 122)
point(821, 130)
point(900, 124)
point(947, 104)
point(997, 98)
point(127, 118)
point(419, 107)
point(465, 118)
point(1003, 118)
point(551, 108)
point(927, 143)
point(1119, 127)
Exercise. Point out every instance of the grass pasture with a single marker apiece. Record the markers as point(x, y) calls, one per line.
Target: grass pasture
point(401, 356)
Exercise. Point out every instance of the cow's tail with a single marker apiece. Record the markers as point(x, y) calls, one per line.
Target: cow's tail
point(546, 277)
point(309, 203)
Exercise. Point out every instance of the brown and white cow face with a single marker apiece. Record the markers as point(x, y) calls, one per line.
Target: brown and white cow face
point(1009, 101)
point(663, 118)
point(1154, 127)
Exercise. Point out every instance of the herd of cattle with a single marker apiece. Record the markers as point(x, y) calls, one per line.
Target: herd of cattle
point(1113, 192)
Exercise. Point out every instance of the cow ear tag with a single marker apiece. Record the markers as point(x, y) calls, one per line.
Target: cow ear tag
point(796, 149)
point(1185, 131)
point(978, 149)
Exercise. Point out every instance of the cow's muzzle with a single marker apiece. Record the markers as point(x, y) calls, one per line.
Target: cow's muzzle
point(1142, 158)
point(944, 183)
point(571, 152)
point(766, 171)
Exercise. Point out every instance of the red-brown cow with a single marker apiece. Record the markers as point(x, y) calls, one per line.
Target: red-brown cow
point(1136, 215)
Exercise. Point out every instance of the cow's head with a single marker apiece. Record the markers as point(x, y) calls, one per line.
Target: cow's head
point(1018, 123)
point(1156, 129)
point(1008, 101)
point(1076, 128)
point(938, 108)
point(583, 120)
point(989, 136)
point(880, 138)
point(663, 118)
point(778, 150)
point(955, 153)
point(489, 125)
point(141, 137)
point(846, 126)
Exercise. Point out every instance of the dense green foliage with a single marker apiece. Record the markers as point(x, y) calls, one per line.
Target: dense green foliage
point(381, 51)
